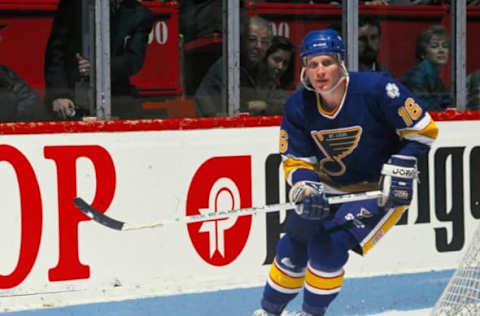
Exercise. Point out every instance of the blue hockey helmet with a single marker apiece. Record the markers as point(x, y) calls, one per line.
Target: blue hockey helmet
point(325, 41)
point(322, 42)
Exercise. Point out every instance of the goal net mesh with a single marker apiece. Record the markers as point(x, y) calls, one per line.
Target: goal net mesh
point(461, 297)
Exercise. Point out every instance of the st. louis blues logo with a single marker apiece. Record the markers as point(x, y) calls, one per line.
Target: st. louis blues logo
point(335, 145)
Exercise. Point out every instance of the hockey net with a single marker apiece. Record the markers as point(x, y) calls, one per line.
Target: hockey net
point(461, 297)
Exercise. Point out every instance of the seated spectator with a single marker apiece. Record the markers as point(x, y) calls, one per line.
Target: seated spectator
point(18, 101)
point(423, 79)
point(255, 80)
point(65, 67)
point(369, 34)
point(280, 61)
point(473, 91)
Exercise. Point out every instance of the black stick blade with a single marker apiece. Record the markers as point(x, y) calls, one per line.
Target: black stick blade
point(97, 216)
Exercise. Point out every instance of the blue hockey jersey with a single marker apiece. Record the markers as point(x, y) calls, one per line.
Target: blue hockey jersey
point(346, 148)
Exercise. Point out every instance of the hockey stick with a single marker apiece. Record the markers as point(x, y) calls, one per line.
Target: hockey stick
point(110, 222)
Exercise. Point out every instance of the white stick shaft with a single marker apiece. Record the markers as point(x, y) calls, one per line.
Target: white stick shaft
point(216, 215)
point(355, 197)
point(254, 210)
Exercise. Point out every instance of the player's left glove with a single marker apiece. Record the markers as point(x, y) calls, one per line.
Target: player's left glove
point(310, 200)
point(397, 181)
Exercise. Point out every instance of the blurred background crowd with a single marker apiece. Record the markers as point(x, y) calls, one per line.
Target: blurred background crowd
point(169, 58)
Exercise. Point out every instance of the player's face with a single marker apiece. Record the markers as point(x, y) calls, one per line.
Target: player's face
point(437, 50)
point(258, 43)
point(278, 62)
point(323, 71)
point(368, 43)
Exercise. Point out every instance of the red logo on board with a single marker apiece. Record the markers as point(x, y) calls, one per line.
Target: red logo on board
point(220, 183)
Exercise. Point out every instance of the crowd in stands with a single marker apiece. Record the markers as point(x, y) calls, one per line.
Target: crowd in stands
point(267, 62)
point(259, 79)
point(422, 78)
point(65, 68)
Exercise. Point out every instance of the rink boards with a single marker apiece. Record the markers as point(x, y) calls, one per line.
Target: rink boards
point(54, 256)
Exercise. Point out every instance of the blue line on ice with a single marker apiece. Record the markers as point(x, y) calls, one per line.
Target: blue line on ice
point(401, 294)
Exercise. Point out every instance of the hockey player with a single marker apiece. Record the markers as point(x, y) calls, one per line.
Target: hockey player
point(341, 132)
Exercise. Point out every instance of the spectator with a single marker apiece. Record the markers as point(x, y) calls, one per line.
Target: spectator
point(130, 25)
point(369, 33)
point(423, 79)
point(19, 102)
point(255, 81)
point(280, 61)
point(473, 91)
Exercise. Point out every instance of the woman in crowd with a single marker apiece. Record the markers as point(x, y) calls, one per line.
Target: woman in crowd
point(280, 62)
point(431, 53)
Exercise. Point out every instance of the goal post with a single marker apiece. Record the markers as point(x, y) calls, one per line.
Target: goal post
point(461, 296)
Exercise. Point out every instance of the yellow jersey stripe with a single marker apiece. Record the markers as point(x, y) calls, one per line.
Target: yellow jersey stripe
point(429, 131)
point(284, 280)
point(382, 228)
point(290, 165)
point(323, 282)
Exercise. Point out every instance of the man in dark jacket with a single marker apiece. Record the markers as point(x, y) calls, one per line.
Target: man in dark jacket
point(369, 34)
point(130, 25)
point(258, 95)
point(18, 101)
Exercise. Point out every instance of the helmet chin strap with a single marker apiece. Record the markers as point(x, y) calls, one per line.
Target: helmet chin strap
point(309, 86)
point(335, 86)
point(305, 82)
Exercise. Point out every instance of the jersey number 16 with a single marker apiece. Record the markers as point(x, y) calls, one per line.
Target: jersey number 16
point(410, 112)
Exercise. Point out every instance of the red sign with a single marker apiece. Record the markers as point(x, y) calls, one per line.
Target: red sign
point(68, 266)
point(220, 183)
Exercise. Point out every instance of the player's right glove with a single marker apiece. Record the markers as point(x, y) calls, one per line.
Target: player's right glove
point(310, 200)
point(397, 181)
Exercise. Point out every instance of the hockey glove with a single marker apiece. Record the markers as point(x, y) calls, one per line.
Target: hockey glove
point(310, 200)
point(397, 181)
